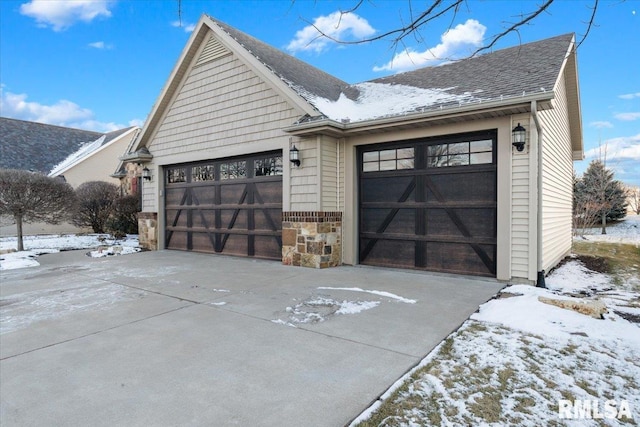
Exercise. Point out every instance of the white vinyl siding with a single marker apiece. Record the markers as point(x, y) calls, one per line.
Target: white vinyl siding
point(304, 179)
point(329, 175)
point(557, 179)
point(520, 207)
point(221, 109)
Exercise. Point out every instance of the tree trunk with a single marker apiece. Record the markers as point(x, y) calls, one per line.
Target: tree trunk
point(604, 223)
point(19, 226)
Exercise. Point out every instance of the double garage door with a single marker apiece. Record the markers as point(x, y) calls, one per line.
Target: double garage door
point(231, 206)
point(430, 204)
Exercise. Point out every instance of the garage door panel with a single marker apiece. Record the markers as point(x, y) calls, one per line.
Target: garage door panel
point(176, 217)
point(397, 220)
point(390, 253)
point(460, 258)
point(176, 240)
point(387, 189)
point(220, 206)
point(203, 218)
point(437, 212)
point(461, 187)
point(478, 223)
point(203, 195)
point(235, 244)
point(203, 241)
point(266, 245)
point(235, 219)
point(231, 194)
point(267, 219)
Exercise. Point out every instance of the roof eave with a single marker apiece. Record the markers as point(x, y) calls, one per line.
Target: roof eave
point(140, 156)
point(489, 109)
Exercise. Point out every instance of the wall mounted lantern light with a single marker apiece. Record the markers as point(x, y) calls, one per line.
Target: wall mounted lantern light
point(518, 137)
point(294, 156)
point(146, 174)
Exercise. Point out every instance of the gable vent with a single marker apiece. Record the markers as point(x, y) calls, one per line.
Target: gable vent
point(212, 50)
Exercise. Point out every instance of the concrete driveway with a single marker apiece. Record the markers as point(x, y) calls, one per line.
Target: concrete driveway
point(174, 338)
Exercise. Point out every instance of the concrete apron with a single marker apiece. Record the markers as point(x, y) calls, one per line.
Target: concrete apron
point(175, 338)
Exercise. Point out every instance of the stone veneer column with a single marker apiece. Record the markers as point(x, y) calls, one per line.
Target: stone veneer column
point(312, 239)
point(148, 230)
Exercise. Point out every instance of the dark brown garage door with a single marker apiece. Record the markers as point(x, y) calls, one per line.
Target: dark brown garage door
point(430, 204)
point(231, 206)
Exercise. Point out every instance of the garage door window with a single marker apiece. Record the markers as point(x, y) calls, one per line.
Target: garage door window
point(388, 160)
point(268, 166)
point(460, 153)
point(233, 170)
point(175, 175)
point(203, 173)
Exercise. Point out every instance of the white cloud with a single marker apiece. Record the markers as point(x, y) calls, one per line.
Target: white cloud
point(627, 117)
point(338, 25)
point(62, 113)
point(622, 156)
point(61, 14)
point(601, 124)
point(100, 45)
point(188, 27)
point(456, 42)
point(629, 95)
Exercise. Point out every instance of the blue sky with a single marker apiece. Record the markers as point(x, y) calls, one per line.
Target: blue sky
point(100, 65)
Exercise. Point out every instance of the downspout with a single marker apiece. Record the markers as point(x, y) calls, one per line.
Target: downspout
point(534, 112)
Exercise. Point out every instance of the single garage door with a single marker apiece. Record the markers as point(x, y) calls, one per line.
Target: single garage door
point(430, 204)
point(231, 206)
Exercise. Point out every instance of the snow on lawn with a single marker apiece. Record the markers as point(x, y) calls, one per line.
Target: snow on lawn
point(103, 244)
point(514, 359)
point(626, 231)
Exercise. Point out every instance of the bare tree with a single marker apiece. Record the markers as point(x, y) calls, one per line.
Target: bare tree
point(30, 197)
point(437, 12)
point(95, 204)
point(633, 198)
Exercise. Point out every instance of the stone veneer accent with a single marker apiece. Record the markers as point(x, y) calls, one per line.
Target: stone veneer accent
point(148, 230)
point(312, 239)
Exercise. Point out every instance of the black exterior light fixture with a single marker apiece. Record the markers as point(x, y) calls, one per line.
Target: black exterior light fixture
point(146, 174)
point(518, 137)
point(294, 156)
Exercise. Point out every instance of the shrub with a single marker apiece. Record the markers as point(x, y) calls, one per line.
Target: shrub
point(124, 218)
point(95, 204)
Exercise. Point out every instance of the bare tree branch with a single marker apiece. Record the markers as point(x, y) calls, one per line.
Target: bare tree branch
point(438, 9)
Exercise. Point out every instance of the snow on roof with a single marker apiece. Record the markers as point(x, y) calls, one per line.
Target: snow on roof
point(83, 152)
point(377, 100)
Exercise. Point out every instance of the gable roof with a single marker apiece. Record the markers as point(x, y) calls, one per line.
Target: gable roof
point(38, 147)
point(506, 80)
point(90, 149)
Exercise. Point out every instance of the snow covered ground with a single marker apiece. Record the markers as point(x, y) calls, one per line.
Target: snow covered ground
point(101, 244)
point(518, 359)
point(627, 231)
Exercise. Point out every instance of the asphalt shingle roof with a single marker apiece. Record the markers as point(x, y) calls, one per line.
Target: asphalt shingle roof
point(40, 147)
point(522, 70)
point(529, 68)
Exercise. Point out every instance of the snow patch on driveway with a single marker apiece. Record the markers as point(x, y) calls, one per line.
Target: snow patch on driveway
point(21, 310)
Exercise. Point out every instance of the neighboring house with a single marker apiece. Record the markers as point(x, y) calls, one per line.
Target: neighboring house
point(415, 170)
point(38, 147)
point(95, 161)
point(74, 154)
